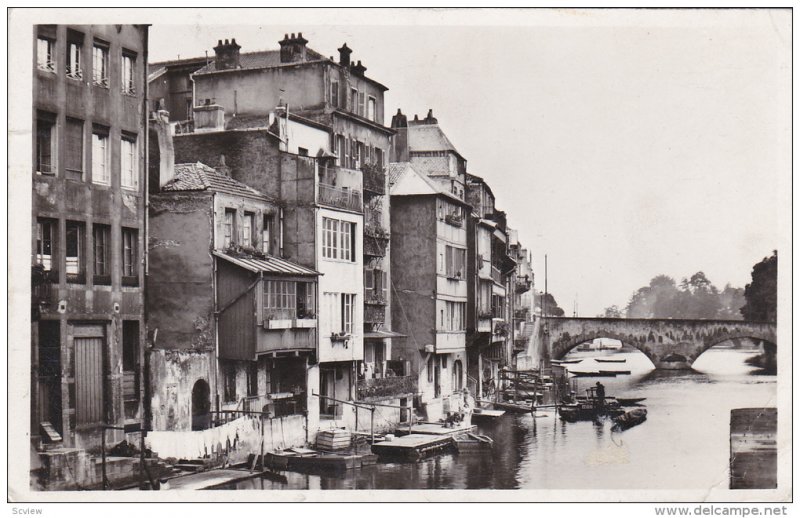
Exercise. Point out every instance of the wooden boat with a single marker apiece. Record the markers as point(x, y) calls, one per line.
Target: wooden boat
point(592, 374)
point(630, 419)
point(559, 362)
point(519, 407)
point(608, 360)
point(584, 411)
point(304, 459)
point(629, 401)
point(485, 414)
point(474, 443)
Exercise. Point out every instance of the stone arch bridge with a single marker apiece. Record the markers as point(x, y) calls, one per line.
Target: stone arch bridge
point(668, 343)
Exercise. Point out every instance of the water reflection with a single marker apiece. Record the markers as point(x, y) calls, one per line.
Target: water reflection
point(683, 444)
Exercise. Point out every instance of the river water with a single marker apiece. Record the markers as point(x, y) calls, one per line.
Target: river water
point(682, 445)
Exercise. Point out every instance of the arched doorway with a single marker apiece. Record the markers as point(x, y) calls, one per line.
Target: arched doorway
point(201, 405)
point(458, 375)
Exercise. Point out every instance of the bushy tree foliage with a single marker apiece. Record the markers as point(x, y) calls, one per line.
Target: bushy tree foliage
point(761, 295)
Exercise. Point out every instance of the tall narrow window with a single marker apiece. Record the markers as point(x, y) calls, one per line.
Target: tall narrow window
point(45, 143)
point(227, 238)
point(340, 146)
point(45, 58)
point(74, 260)
point(100, 152)
point(73, 154)
point(100, 64)
point(102, 254)
point(229, 377)
point(74, 58)
point(247, 229)
point(265, 233)
point(130, 360)
point(354, 100)
point(252, 379)
point(330, 230)
point(130, 257)
point(361, 104)
point(129, 163)
point(371, 115)
point(128, 78)
point(348, 301)
point(346, 239)
point(45, 242)
point(335, 94)
point(378, 157)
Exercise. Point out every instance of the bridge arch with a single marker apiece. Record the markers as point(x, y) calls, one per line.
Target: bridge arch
point(668, 343)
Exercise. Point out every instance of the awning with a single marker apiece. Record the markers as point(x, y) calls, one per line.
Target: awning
point(270, 264)
point(383, 334)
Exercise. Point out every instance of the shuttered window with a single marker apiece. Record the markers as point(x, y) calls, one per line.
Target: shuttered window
point(74, 149)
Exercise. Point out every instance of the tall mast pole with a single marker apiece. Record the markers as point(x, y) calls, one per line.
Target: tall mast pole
point(545, 286)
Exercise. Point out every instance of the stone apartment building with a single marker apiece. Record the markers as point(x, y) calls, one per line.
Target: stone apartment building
point(88, 226)
point(429, 260)
point(327, 116)
point(170, 87)
point(491, 276)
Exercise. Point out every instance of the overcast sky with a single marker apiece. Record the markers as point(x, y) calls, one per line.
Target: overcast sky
point(622, 144)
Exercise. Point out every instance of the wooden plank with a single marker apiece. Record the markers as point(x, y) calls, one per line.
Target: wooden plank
point(89, 380)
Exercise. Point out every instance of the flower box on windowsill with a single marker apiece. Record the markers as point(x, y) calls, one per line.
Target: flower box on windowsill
point(340, 337)
point(278, 323)
point(102, 280)
point(76, 278)
point(130, 280)
point(455, 277)
point(454, 220)
point(305, 323)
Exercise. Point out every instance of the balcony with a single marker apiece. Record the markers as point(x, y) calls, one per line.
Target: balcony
point(374, 313)
point(374, 180)
point(375, 246)
point(521, 314)
point(338, 197)
point(522, 284)
point(497, 276)
point(385, 388)
point(289, 319)
point(454, 220)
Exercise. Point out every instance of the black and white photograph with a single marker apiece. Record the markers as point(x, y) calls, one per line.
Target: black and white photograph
point(399, 255)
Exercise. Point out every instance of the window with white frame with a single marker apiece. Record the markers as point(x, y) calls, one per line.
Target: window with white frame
point(102, 253)
point(100, 64)
point(265, 233)
point(45, 58)
point(371, 115)
point(454, 316)
point(354, 100)
point(75, 260)
point(228, 227)
point(280, 300)
point(455, 261)
point(45, 144)
point(348, 305)
point(338, 239)
point(361, 104)
point(128, 77)
point(45, 242)
point(130, 239)
point(129, 163)
point(247, 229)
point(74, 58)
point(100, 167)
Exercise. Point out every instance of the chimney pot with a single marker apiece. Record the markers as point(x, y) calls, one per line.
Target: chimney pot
point(219, 43)
point(227, 42)
point(292, 35)
point(299, 35)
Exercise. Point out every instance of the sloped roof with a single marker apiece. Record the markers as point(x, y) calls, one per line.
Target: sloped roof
point(200, 177)
point(262, 59)
point(409, 182)
point(428, 137)
point(268, 264)
point(394, 170)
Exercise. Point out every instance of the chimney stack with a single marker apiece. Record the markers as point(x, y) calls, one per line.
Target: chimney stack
point(358, 69)
point(227, 55)
point(430, 119)
point(293, 49)
point(399, 150)
point(344, 55)
point(210, 116)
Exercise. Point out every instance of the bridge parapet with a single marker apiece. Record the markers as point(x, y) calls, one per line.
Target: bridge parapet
point(668, 343)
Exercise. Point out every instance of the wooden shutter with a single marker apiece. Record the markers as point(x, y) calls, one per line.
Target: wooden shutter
point(89, 403)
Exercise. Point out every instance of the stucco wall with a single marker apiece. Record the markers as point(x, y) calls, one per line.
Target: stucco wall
point(173, 375)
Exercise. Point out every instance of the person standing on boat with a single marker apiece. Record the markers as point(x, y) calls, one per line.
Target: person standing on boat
point(600, 395)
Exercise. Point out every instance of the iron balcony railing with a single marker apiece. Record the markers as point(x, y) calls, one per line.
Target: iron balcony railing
point(339, 197)
point(374, 313)
point(374, 179)
point(381, 388)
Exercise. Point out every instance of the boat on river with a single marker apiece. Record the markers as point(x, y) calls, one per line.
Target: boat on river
point(474, 443)
point(568, 362)
point(610, 360)
point(630, 419)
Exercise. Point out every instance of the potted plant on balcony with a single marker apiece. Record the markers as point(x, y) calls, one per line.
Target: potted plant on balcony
point(453, 219)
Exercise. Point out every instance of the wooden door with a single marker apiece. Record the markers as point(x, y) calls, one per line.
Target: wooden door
point(89, 382)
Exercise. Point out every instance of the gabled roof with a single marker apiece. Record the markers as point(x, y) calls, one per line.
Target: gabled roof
point(409, 182)
point(428, 137)
point(268, 264)
point(200, 177)
point(262, 59)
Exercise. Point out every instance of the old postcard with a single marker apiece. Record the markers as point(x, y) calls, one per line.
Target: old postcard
point(453, 255)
